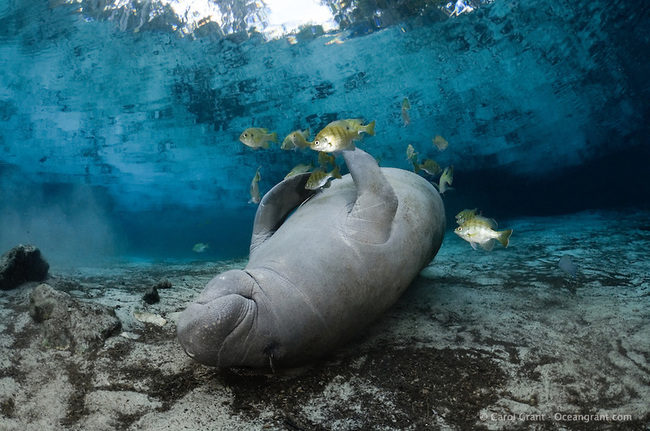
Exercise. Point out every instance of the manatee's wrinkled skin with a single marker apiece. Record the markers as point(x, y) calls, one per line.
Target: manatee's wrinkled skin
point(317, 279)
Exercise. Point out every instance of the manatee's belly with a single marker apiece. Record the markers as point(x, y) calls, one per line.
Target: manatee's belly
point(314, 276)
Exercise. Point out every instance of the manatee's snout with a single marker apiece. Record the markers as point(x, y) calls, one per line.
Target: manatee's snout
point(213, 329)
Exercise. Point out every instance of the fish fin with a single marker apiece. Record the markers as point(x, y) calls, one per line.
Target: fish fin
point(445, 188)
point(265, 145)
point(490, 221)
point(416, 167)
point(487, 245)
point(370, 128)
point(273, 137)
point(473, 244)
point(307, 133)
point(504, 237)
point(336, 172)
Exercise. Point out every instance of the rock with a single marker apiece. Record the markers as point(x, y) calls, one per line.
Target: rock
point(164, 284)
point(151, 296)
point(21, 264)
point(146, 317)
point(70, 324)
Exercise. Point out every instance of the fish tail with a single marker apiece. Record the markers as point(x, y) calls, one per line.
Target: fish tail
point(416, 167)
point(504, 237)
point(273, 137)
point(336, 172)
point(370, 129)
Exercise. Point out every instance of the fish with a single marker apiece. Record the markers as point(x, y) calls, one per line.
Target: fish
point(255, 188)
point(325, 158)
point(411, 154)
point(200, 247)
point(256, 137)
point(445, 180)
point(465, 215)
point(440, 142)
point(354, 123)
point(567, 265)
point(340, 135)
point(482, 231)
point(319, 178)
point(406, 105)
point(299, 169)
point(296, 139)
point(430, 167)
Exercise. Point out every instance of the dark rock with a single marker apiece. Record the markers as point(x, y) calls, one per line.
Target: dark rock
point(151, 296)
point(165, 284)
point(21, 264)
point(71, 324)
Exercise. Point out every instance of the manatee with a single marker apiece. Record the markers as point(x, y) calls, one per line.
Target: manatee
point(322, 266)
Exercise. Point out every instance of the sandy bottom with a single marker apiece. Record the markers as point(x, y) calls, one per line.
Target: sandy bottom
point(482, 340)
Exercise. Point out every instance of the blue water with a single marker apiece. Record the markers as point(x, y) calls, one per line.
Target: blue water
point(119, 136)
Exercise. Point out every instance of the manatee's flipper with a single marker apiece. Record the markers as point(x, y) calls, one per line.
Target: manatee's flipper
point(276, 205)
point(372, 215)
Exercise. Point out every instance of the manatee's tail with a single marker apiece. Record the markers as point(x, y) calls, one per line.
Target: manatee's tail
point(504, 237)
